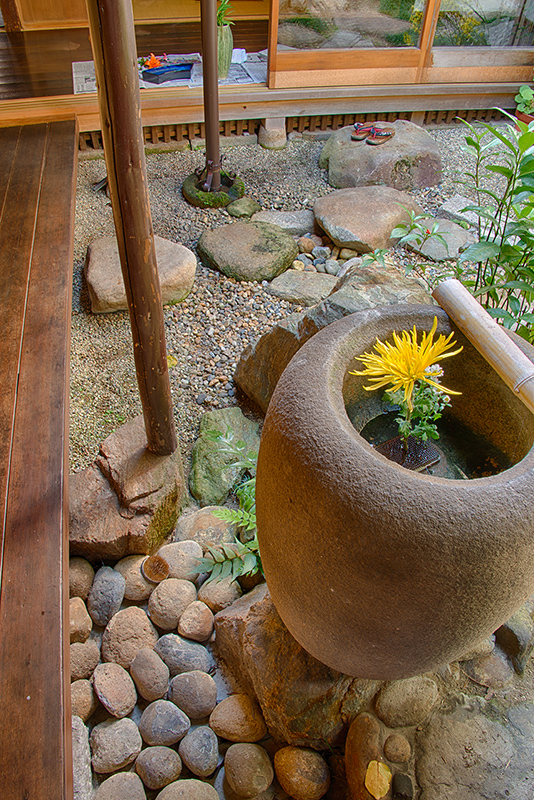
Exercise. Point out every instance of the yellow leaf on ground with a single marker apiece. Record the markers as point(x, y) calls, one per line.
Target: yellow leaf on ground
point(377, 779)
point(171, 361)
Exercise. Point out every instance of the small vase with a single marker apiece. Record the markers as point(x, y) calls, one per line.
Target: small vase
point(528, 118)
point(225, 46)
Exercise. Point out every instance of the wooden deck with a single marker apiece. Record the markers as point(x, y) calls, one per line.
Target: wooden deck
point(37, 183)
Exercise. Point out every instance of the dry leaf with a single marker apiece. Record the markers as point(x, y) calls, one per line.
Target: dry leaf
point(377, 779)
point(172, 361)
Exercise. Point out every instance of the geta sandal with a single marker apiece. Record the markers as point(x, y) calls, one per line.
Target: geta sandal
point(380, 136)
point(361, 131)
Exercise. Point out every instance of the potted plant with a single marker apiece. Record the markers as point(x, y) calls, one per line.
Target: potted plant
point(377, 570)
point(525, 103)
point(225, 40)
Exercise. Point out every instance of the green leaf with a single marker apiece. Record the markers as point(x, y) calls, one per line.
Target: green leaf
point(480, 251)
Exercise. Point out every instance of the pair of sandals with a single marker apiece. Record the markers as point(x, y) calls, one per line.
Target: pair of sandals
point(371, 134)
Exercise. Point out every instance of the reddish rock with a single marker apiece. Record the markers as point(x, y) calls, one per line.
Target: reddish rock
point(126, 633)
point(158, 766)
point(397, 748)
point(302, 773)
point(248, 769)
point(219, 594)
point(81, 576)
point(204, 527)
point(406, 702)
point(196, 622)
point(115, 689)
point(182, 558)
point(361, 747)
point(169, 600)
point(83, 659)
point(120, 786)
point(137, 588)
point(194, 692)
point(84, 701)
point(81, 623)
point(238, 719)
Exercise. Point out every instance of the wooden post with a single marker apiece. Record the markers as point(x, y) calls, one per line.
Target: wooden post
point(114, 51)
point(210, 80)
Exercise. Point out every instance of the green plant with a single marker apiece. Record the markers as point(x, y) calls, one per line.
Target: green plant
point(224, 10)
point(321, 26)
point(416, 230)
point(525, 99)
point(236, 559)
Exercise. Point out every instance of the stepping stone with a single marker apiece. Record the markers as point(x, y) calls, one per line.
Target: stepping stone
point(248, 251)
point(410, 160)
point(245, 207)
point(296, 223)
point(453, 209)
point(305, 288)
point(362, 218)
point(176, 267)
point(457, 239)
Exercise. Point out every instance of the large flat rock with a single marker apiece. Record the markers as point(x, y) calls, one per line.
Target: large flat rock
point(410, 160)
point(305, 288)
point(362, 218)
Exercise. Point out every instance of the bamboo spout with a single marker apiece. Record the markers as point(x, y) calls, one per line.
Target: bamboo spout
point(491, 341)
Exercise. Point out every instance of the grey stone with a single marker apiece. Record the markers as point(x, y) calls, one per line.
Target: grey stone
point(303, 701)
point(297, 36)
point(181, 655)
point(248, 251)
point(194, 692)
point(114, 744)
point(137, 588)
point(81, 576)
point(213, 472)
point(82, 788)
point(319, 265)
point(199, 750)
point(188, 790)
point(84, 656)
point(516, 638)
point(122, 786)
point(456, 238)
point(453, 209)
point(238, 718)
point(158, 766)
point(410, 160)
point(480, 650)
point(305, 258)
point(272, 138)
point(331, 266)
point(321, 252)
point(304, 288)
point(402, 786)
point(400, 704)
point(115, 689)
point(248, 769)
point(296, 223)
point(182, 558)
point(81, 623)
point(128, 632)
point(169, 600)
point(106, 595)
point(244, 207)
point(204, 527)
point(162, 723)
point(150, 674)
point(176, 269)
point(362, 218)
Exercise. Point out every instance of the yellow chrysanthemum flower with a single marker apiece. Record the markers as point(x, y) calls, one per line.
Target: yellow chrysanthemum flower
point(401, 364)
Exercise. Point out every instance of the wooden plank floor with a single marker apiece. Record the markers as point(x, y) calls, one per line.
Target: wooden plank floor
point(39, 63)
point(37, 177)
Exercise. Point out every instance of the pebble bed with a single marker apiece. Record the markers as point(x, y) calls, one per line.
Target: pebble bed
point(207, 332)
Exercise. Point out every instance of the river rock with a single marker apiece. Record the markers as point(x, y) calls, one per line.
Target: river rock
point(81, 623)
point(158, 766)
point(242, 208)
point(169, 600)
point(296, 223)
point(188, 790)
point(199, 750)
point(302, 773)
point(303, 701)
point(82, 783)
point(219, 594)
point(248, 769)
point(247, 251)
point(162, 723)
point(150, 674)
point(363, 218)
point(181, 655)
point(494, 671)
point(361, 747)
point(397, 748)
point(123, 786)
point(400, 704)
point(516, 638)
point(182, 558)
point(84, 656)
point(239, 719)
point(81, 576)
point(410, 160)
point(196, 622)
point(456, 238)
point(115, 689)
point(304, 288)
point(137, 588)
point(84, 702)
point(128, 632)
point(176, 268)
point(213, 472)
point(114, 744)
point(204, 527)
point(106, 595)
point(194, 692)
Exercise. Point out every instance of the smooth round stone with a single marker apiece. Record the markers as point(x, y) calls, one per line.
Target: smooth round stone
point(168, 602)
point(199, 750)
point(80, 622)
point(106, 595)
point(403, 703)
point(239, 719)
point(123, 786)
point(84, 656)
point(115, 689)
point(84, 701)
point(302, 773)
point(219, 594)
point(204, 527)
point(194, 692)
point(331, 266)
point(181, 655)
point(128, 632)
point(137, 588)
point(158, 766)
point(248, 769)
point(150, 674)
point(196, 622)
point(182, 558)
point(81, 575)
point(114, 744)
point(162, 723)
point(188, 790)
point(397, 748)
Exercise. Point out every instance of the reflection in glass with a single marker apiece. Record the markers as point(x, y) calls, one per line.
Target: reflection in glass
point(486, 23)
point(346, 24)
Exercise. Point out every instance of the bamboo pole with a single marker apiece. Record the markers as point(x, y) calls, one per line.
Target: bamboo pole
point(115, 56)
point(491, 341)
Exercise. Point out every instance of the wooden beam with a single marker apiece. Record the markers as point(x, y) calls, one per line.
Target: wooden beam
point(10, 15)
point(113, 41)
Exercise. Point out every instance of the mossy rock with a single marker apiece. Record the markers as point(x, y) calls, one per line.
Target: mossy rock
point(220, 199)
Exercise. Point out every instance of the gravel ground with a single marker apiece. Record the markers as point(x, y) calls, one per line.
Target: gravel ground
point(208, 331)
